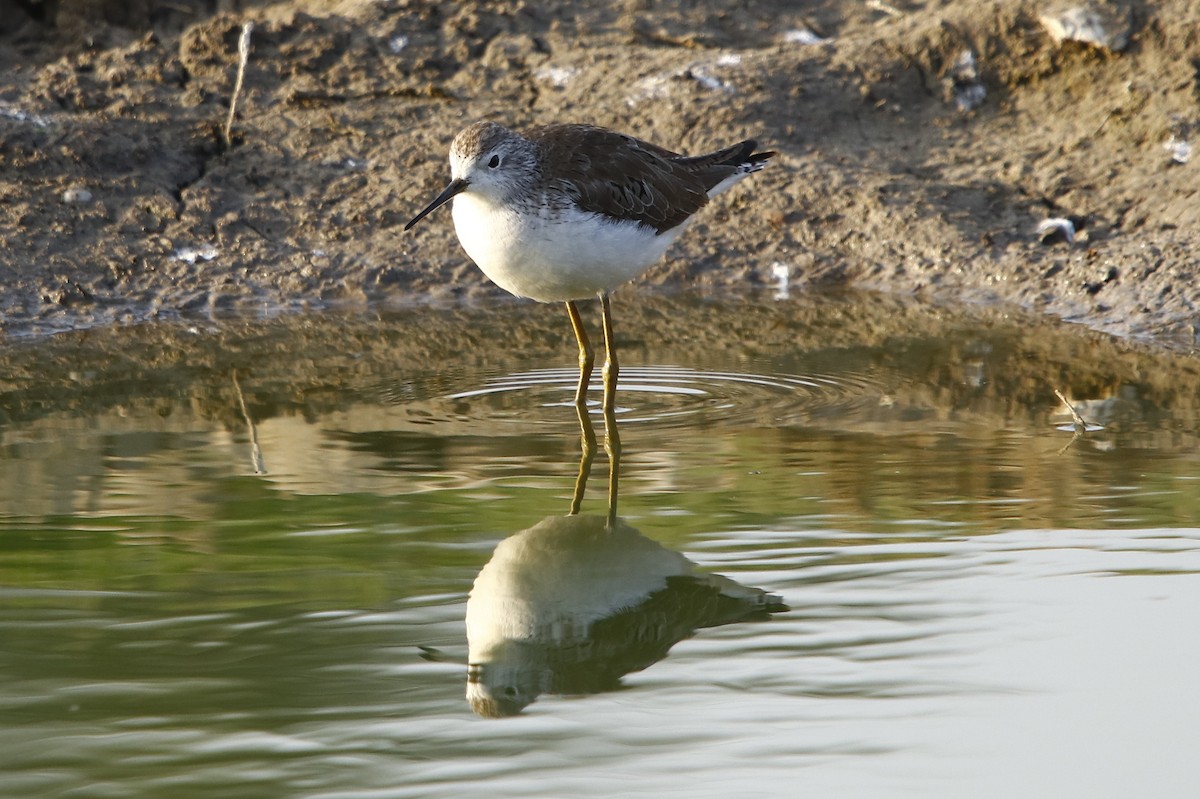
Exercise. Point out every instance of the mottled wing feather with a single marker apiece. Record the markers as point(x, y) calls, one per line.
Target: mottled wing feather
point(635, 180)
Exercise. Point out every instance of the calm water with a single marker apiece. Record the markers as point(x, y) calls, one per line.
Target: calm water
point(235, 560)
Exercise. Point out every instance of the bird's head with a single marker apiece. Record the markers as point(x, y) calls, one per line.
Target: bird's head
point(486, 159)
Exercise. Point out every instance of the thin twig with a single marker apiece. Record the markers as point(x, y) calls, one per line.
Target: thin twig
point(243, 58)
point(1074, 437)
point(1104, 122)
point(1080, 424)
point(256, 456)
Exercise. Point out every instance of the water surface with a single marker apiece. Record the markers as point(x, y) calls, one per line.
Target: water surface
point(235, 557)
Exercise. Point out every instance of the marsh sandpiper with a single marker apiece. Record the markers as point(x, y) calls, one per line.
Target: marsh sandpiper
point(561, 213)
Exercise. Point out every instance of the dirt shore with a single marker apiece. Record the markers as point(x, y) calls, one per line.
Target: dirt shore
point(920, 146)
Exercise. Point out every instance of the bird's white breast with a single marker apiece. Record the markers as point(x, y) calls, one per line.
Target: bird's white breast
point(554, 254)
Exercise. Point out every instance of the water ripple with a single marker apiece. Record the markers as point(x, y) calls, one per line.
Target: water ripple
point(680, 396)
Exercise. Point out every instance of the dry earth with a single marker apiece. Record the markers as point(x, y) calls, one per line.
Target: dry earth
point(119, 199)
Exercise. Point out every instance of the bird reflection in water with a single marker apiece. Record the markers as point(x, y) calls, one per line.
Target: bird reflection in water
point(576, 602)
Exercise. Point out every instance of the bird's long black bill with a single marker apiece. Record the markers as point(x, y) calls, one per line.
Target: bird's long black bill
point(456, 186)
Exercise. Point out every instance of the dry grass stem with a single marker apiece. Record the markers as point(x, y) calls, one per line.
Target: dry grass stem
point(243, 58)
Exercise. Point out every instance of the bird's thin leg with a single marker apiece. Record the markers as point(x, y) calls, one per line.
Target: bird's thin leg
point(612, 440)
point(610, 356)
point(586, 357)
point(587, 443)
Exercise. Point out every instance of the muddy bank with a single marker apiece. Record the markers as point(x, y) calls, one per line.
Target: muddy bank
point(902, 167)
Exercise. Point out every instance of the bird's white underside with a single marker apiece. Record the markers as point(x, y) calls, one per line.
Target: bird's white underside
point(549, 256)
point(553, 255)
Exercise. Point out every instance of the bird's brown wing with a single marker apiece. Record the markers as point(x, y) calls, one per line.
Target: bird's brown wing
point(622, 177)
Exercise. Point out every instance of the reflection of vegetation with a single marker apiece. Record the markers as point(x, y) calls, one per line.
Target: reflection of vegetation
point(243, 537)
point(258, 546)
point(124, 452)
point(985, 479)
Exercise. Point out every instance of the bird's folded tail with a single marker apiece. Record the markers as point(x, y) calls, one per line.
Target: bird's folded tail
point(721, 169)
point(735, 155)
point(756, 161)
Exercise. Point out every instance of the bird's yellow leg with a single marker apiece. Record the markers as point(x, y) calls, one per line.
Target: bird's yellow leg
point(612, 440)
point(610, 356)
point(586, 357)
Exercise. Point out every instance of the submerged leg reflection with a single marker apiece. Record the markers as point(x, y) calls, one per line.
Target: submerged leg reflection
point(587, 454)
point(587, 444)
point(612, 448)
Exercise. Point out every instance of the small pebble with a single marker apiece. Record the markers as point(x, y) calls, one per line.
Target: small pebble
point(968, 90)
point(782, 273)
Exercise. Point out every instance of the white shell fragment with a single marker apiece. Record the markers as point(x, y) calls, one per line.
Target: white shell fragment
point(701, 74)
point(558, 77)
point(205, 252)
point(1055, 229)
point(1180, 149)
point(704, 73)
point(20, 115)
point(77, 195)
point(1104, 25)
point(803, 36)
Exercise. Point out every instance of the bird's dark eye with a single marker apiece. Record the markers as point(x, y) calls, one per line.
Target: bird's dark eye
point(494, 162)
